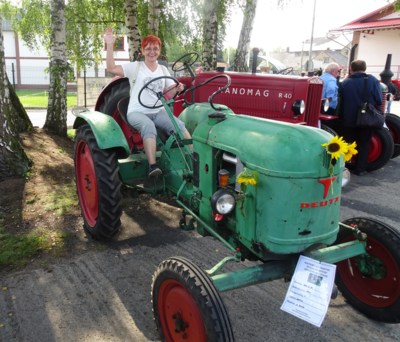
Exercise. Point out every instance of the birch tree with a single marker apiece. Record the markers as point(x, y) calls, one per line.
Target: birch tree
point(242, 51)
point(153, 20)
point(210, 35)
point(56, 119)
point(132, 29)
point(13, 160)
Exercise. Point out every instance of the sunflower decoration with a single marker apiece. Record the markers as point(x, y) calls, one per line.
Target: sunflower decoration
point(351, 151)
point(337, 147)
point(247, 177)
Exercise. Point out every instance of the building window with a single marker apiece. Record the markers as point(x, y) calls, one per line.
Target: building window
point(326, 60)
point(119, 44)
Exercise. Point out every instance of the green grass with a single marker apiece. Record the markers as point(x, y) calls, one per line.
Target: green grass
point(39, 98)
point(16, 250)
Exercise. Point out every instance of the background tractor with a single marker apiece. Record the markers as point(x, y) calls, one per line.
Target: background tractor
point(266, 189)
point(287, 98)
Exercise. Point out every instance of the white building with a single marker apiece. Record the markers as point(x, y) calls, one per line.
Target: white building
point(374, 36)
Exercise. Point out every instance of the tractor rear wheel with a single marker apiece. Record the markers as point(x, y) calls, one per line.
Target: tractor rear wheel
point(393, 123)
point(113, 94)
point(186, 304)
point(98, 185)
point(371, 282)
point(381, 149)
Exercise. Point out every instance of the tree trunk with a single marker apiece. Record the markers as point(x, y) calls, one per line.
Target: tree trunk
point(132, 27)
point(242, 52)
point(21, 120)
point(210, 35)
point(153, 21)
point(56, 119)
point(13, 160)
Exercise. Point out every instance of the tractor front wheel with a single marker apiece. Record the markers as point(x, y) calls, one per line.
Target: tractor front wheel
point(98, 185)
point(186, 304)
point(371, 282)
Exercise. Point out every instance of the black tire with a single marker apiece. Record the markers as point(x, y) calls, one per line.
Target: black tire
point(98, 186)
point(374, 290)
point(328, 129)
point(111, 96)
point(381, 149)
point(397, 94)
point(187, 305)
point(393, 123)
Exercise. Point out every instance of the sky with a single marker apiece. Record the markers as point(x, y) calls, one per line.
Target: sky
point(274, 28)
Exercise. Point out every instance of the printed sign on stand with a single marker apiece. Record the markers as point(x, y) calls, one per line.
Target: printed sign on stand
point(310, 290)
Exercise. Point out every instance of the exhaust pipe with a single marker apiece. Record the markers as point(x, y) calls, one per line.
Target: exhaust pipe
point(387, 74)
point(256, 51)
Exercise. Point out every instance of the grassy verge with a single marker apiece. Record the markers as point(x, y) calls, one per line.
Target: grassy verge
point(17, 250)
point(39, 98)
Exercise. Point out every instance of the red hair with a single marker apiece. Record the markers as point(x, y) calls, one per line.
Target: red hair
point(151, 40)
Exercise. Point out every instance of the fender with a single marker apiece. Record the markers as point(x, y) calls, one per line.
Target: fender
point(106, 130)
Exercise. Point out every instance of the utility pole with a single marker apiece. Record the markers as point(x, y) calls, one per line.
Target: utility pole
point(310, 68)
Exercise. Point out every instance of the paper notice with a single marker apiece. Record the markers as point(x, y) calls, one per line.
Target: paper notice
point(310, 290)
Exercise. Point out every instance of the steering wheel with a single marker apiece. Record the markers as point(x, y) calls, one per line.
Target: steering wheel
point(211, 98)
point(185, 62)
point(152, 88)
point(286, 71)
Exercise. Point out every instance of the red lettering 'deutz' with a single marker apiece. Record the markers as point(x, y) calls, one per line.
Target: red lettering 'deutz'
point(304, 205)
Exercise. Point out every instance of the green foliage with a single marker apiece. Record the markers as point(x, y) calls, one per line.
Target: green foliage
point(71, 134)
point(180, 25)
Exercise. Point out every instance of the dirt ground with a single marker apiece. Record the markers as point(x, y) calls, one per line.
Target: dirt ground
point(30, 205)
point(37, 204)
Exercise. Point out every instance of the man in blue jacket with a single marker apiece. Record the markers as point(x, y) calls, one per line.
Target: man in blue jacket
point(330, 89)
point(352, 97)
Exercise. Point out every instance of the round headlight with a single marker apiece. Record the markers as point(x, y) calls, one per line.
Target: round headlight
point(325, 105)
point(345, 177)
point(222, 202)
point(298, 107)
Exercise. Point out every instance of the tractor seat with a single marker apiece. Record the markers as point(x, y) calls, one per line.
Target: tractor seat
point(122, 107)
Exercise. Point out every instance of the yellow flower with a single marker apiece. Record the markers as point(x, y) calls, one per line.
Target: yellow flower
point(246, 180)
point(247, 177)
point(336, 147)
point(351, 151)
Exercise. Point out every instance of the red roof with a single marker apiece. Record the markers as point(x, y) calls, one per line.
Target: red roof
point(383, 18)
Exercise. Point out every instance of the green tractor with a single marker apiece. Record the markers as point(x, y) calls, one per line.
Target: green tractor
point(268, 190)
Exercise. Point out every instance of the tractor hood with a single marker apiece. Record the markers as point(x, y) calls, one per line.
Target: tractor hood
point(271, 147)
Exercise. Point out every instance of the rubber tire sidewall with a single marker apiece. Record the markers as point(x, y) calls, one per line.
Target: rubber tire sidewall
point(376, 230)
point(108, 186)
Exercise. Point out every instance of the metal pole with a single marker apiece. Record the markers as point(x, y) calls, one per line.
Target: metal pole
point(84, 85)
point(312, 37)
point(13, 74)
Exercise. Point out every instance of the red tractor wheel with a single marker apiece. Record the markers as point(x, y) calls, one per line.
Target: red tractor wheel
point(98, 185)
point(380, 150)
point(186, 304)
point(371, 282)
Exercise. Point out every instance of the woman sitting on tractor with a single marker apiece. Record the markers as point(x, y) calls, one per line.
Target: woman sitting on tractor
point(143, 119)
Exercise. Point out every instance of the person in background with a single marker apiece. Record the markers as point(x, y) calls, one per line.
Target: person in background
point(390, 95)
point(330, 88)
point(143, 119)
point(352, 97)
